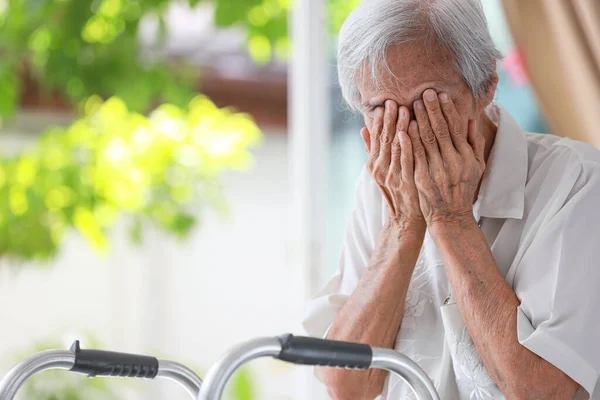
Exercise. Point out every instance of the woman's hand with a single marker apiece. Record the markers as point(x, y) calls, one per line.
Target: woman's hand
point(449, 159)
point(391, 163)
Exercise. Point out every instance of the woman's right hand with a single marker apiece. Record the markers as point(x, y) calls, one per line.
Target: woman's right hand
point(391, 162)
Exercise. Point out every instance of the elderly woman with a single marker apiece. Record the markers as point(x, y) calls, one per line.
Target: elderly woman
point(474, 246)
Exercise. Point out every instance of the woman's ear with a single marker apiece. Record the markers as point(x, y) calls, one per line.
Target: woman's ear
point(489, 91)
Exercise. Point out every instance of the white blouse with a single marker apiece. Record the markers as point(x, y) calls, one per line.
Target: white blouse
point(538, 208)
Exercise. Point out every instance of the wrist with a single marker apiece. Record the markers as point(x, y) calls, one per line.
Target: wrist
point(407, 227)
point(450, 224)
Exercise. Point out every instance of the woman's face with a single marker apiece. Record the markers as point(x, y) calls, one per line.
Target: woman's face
point(414, 67)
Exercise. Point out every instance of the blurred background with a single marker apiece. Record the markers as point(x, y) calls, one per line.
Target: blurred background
point(175, 177)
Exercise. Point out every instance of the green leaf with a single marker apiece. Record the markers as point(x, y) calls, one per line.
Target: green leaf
point(9, 88)
point(117, 158)
point(183, 223)
point(136, 231)
point(228, 13)
point(242, 385)
point(115, 162)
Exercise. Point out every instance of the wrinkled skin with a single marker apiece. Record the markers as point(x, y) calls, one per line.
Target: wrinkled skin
point(427, 139)
point(447, 184)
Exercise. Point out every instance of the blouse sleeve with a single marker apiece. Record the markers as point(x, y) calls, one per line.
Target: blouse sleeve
point(558, 284)
point(359, 242)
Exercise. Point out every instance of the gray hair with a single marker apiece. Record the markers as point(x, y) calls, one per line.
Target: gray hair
point(375, 25)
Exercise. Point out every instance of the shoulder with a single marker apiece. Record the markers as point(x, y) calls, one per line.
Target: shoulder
point(561, 223)
point(546, 148)
point(558, 165)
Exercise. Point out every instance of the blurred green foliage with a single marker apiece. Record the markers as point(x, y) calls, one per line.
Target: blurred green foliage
point(115, 162)
point(83, 48)
point(90, 47)
point(242, 386)
point(266, 22)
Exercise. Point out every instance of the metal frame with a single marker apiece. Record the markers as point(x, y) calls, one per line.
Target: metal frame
point(219, 374)
point(406, 369)
point(63, 359)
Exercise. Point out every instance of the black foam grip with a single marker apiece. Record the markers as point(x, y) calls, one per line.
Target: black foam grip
point(322, 352)
point(110, 363)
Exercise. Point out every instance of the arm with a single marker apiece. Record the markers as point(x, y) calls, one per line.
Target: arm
point(489, 307)
point(374, 311)
point(487, 303)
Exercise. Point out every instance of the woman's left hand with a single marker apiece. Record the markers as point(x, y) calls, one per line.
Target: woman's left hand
point(450, 163)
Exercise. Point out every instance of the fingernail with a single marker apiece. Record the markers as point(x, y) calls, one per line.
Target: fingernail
point(430, 95)
point(403, 113)
point(443, 97)
point(419, 105)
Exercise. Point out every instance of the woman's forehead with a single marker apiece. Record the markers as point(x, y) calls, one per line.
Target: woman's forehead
point(411, 68)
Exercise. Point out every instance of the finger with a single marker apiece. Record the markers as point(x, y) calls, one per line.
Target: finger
point(390, 118)
point(455, 124)
point(395, 166)
point(418, 150)
point(366, 137)
point(376, 132)
point(387, 196)
point(426, 134)
point(402, 125)
point(476, 141)
point(439, 125)
point(406, 157)
point(403, 119)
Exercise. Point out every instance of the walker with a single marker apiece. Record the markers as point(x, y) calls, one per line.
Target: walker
point(294, 349)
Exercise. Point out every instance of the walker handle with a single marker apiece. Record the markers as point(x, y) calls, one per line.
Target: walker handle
point(109, 363)
point(322, 352)
point(98, 363)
